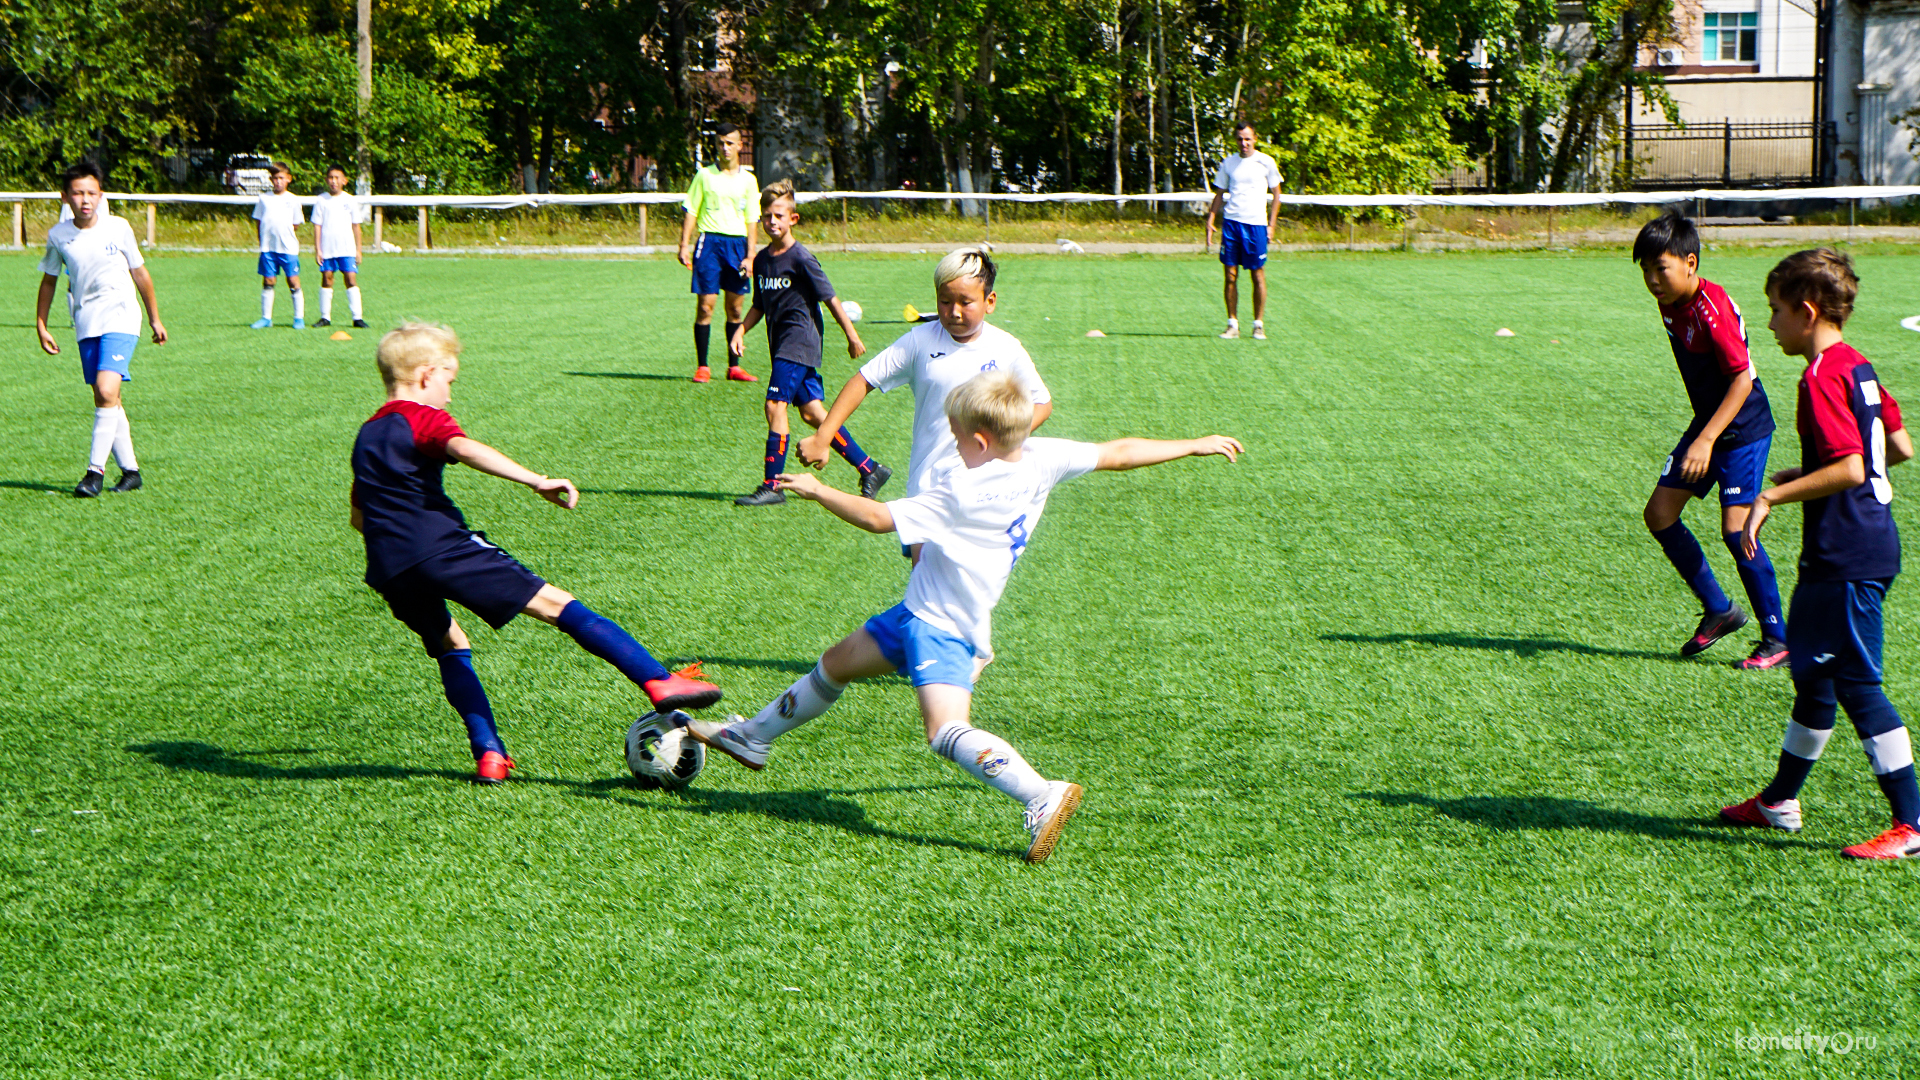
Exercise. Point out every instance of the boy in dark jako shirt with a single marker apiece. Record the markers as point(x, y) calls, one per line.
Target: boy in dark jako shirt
point(420, 553)
point(788, 288)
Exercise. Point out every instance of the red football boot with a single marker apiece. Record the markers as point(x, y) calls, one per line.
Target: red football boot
point(738, 374)
point(703, 373)
point(492, 767)
point(1896, 843)
point(682, 690)
point(1784, 816)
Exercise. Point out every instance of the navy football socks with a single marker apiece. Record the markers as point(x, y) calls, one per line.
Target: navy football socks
point(1763, 587)
point(856, 457)
point(1683, 551)
point(1888, 746)
point(603, 638)
point(469, 699)
point(776, 455)
point(732, 360)
point(702, 336)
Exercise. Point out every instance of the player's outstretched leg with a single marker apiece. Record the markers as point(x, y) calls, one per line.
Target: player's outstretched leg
point(1889, 752)
point(469, 699)
point(1763, 592)
point(605, 639)
point(1778, 804)
point(994, 762)
point(749, 740)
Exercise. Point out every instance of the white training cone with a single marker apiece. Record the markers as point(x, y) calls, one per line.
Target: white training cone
point(1095, 333)
point(1503, 332)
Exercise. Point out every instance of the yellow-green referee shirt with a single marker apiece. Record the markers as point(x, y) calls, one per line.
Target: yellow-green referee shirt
point(721, 203)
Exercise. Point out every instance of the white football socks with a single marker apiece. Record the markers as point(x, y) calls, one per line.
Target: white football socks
point(106, 428)
point(353, 300)
point(326, 303)
point(804, 700)
point(266, 302)
point(299, 304)
point(1233, 320)
point(123, 444)
point(990, 760)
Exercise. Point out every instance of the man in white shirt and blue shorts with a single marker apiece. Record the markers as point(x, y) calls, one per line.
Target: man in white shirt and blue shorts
point(1243, 183)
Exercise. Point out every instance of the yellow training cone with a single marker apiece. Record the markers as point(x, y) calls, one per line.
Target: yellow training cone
point(910, 313)
point(340, 335)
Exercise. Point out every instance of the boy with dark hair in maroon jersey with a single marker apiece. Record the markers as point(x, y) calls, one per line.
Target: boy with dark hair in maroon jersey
point(1850, 431)
point(420, 553)
point(1726, 443)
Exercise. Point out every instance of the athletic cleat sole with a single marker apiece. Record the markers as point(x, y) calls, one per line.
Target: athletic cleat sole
point(1043, 845)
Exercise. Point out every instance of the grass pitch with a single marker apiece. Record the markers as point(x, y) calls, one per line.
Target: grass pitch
point(1391, 768)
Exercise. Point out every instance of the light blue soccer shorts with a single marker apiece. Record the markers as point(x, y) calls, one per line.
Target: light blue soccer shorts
point(344, 264)
point(275, 263)
point(108, 352)
point(921, 651)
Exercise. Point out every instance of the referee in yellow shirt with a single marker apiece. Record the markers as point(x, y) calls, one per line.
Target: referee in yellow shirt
point(720, 206)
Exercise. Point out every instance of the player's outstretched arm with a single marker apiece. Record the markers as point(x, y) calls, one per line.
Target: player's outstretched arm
point(737, 344)
point(1121, 454)
point(854, 346)
point(41, 306)
point(852, 509)
point(815, 447)
point(143, 283)
point(478, 455)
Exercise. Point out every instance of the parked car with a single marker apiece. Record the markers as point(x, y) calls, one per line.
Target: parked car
point(248, 174)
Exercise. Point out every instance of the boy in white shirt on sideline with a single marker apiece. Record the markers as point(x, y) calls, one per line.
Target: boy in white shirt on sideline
point(974, 519)
point(278, 214)
point(336, 243)
point(104, 274)
point(934, 359)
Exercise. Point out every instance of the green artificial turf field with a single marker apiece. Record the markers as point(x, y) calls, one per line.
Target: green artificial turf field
point(1390, 766)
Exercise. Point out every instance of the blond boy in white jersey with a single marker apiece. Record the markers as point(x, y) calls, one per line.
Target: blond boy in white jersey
point(974, 521)
point(105, 275)
point(934, 359)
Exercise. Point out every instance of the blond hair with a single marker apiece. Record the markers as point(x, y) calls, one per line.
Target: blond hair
point(409, 347)
point(774, 192)
point(967, 262)
point(992, 402)
point(1822, 277)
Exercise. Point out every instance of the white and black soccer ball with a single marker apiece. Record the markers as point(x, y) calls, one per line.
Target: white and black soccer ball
point(852, 308)
point(660, 752)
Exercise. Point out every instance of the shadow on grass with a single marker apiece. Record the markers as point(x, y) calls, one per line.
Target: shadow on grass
point(647, 493)
point(35, 485)
point(625, 375)
point(826, 806)
point(1153, 334)
point(1524, 647)
point(1507, 813)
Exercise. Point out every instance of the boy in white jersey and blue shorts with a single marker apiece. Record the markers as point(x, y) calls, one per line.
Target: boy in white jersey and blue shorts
point(105, 274)
point(336, 243)
point(277, 214)
point(973, 519)
point(935, 359)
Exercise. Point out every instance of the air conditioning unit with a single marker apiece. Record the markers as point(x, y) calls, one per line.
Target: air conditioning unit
point(1667, 58)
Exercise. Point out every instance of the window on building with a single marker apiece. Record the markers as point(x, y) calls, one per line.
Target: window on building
point(1731, 37)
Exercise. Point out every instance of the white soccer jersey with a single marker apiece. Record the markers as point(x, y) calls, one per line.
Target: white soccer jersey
point(334, 217)
point(1247, 180)
point(928, 359)
point(278, 214)
point(99, 263)
point(974, 523)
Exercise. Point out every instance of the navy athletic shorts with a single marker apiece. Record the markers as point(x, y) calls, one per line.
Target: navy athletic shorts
point(478, 576)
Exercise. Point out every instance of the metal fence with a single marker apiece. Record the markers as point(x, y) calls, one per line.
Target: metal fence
point(1728, 154)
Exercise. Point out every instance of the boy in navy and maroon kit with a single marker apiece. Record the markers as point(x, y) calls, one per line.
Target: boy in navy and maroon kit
point(420, 553)
point(1850, 431)
point(788, 289)
point(1726, 444)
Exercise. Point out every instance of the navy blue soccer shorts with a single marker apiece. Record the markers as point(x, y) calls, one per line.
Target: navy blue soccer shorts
point(716, 265)
point(1740, 472)
point(794, 383)
point(477, 575)
point(1242, 244)
point(921, 651)
point(1834, 630)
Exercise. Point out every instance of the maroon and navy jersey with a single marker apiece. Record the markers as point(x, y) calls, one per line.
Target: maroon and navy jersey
point(406, 516)
point(1843, 409)
point(1709, 340)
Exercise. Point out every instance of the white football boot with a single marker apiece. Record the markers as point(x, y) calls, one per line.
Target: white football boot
point(1048, 816)
point(722, 737)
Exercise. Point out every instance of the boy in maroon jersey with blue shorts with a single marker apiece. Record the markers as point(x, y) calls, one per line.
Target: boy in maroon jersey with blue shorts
point(420, 553)
point(1726, 443)
point(1850, 431)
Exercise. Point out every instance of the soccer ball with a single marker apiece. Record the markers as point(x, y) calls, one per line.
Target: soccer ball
point(851, 308)
point(660, 752)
